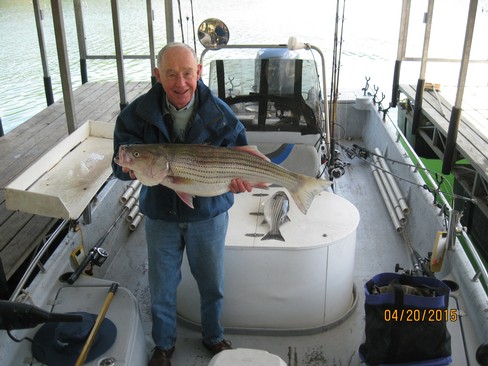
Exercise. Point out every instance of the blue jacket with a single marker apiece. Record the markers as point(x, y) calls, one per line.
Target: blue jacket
point(147, 121)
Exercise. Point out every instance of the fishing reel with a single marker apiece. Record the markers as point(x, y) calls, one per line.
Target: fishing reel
point(338, 168)
point(420, 268)
point(96, 256)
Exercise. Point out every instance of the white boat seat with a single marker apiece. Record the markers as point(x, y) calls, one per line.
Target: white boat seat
point(297, 157)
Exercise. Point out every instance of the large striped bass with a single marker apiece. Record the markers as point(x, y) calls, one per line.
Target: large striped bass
point(202, 170)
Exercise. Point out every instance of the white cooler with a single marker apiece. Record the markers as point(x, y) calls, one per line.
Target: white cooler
point(246, 357)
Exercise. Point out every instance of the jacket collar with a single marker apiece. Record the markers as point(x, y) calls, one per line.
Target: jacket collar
point(204, 102)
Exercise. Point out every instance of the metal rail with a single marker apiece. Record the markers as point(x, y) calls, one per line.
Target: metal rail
point(48, 89)
point(63, 61)
point(62, 53)
point(402, 44)
point(448, 160)
point(37, 259)
point(119, 53)
point(481, 271)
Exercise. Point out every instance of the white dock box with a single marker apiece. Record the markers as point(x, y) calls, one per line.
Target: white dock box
point(62, 182)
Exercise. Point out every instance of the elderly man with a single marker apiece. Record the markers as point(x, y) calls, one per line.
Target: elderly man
point(181, 109)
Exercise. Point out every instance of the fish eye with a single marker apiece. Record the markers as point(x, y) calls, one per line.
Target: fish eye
point(136, 154)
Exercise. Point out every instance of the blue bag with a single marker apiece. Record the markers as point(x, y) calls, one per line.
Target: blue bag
point(406, 321)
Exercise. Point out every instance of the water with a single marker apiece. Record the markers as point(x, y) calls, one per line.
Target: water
point(369, 44)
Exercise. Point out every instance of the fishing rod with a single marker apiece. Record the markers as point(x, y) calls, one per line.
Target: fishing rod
point(193, 25)
point(335, 86)
point(97, 255)
point(180, 20)
point(334, 69)
point(364, 154)
point(420, 264)
point(338, 66)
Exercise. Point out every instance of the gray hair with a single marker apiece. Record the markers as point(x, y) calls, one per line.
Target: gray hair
point(169, 46)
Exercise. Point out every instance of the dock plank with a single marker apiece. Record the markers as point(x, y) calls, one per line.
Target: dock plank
point(11, 226)
point(47, 128)
point(22, 245)
point(471, 140)
point(21, 233)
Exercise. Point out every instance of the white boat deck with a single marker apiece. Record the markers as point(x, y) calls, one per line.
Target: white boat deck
point(379, 247)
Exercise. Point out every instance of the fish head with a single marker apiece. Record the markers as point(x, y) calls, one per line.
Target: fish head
point(146, 161)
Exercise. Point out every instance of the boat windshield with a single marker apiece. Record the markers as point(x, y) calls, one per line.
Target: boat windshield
point(272, 94)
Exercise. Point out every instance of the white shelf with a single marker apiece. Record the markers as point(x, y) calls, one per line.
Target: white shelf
point(62, 182)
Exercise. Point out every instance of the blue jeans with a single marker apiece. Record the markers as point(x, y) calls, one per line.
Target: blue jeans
point(204, 242)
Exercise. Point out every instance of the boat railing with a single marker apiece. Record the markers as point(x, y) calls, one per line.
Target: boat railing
point(468, 246)
point(36, 261)
point(449, 155)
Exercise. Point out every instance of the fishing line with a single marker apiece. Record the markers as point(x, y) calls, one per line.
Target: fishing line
point(365, 154)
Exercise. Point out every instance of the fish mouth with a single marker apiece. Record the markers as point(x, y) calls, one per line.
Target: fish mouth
point(123, 158)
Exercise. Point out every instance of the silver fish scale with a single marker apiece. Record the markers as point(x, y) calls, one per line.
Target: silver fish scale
point(275, 212)
point(222, 165)
point(206, 171)
point(277, 209)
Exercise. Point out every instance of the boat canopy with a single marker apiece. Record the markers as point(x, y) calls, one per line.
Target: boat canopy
point(269, 93)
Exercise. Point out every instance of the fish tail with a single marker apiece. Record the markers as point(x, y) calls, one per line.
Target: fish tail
point(306, 189)
point(273, 235)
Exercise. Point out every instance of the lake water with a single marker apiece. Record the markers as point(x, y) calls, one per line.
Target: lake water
point(369, 44)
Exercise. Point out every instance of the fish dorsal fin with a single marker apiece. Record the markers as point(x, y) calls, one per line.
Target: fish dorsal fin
point(251, 149)
point(261, 185)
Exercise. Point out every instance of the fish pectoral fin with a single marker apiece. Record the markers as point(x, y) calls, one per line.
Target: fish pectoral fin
point(187, 198)
point(261, 185)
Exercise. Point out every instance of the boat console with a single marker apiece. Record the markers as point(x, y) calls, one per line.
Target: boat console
point(268, 282)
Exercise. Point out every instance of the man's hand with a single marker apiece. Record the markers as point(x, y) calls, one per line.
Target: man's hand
point(238, 185)
point(131, 172)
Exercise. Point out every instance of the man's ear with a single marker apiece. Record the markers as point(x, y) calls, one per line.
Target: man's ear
point(199, 71)
point(157, 75)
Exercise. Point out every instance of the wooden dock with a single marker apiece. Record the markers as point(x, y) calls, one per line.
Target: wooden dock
point(472, 139)
point(21, 233)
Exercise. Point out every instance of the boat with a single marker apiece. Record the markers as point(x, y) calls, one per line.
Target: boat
point(301, 301)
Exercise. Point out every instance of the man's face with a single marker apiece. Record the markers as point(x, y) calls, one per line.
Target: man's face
point(178, 73)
